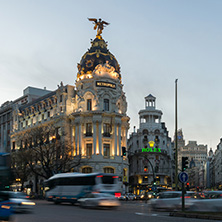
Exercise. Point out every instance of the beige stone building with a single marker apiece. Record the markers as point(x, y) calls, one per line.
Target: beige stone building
point(93, 113)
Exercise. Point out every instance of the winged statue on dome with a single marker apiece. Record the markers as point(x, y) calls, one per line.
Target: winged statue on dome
point(99, 25)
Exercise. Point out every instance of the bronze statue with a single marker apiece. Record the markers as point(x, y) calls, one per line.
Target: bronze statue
point(99, 25)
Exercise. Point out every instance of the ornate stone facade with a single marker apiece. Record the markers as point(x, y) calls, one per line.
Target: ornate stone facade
point(92, 113)
point(150, 150)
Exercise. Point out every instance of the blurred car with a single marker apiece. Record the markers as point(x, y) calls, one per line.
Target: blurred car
point(122, 197)
point(201, 195)
point(170, 200)
point(214, 194)
point(99, 200)
point(146, 196)
point(5, 208)
point(19, 202)
point(130, 196)
point(206, 205)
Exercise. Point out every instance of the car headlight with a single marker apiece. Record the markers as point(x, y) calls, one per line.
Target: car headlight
point(28, 203)
point(5, 207)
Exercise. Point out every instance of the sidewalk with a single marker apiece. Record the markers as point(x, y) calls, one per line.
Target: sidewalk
point(209, 216)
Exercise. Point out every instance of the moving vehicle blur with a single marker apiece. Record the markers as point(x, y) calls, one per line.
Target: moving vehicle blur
point(19, 202)
point(5, 208)
point(130, 196)
point(206, 201)
point(122, 197)
point(214, 194)
point(170, 200)
point(69, 187)
point(99, 200)
point(206, 205)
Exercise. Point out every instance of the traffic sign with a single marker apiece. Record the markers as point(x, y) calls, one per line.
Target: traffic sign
point(183, 177)
point(154, 188)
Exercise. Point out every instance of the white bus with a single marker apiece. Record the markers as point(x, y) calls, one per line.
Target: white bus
point(69, 187)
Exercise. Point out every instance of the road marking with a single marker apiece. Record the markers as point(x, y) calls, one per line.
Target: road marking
point(150, 215)
point(143, 214)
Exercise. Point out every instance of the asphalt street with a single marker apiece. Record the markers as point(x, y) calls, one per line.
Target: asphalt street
point(130, 211)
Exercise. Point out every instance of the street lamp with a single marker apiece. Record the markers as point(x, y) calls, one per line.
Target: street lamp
point(176, 144)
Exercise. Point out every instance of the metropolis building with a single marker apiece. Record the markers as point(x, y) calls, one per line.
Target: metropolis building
point(150, 151)
point(93, 113)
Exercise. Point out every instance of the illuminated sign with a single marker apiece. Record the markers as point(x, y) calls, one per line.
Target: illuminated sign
point(105, 84)
point(148, 150)
point(151, 149)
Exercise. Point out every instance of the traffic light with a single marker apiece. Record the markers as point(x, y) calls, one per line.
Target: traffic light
point(154, 182)
point(184, 163)
point(188, 186)
point(145, 169)
point(123, 150)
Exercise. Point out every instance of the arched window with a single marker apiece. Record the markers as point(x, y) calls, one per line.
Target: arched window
point(157, 132)
point(108, 170)
point(145, 131)
point(87, 170)
point(106, 105)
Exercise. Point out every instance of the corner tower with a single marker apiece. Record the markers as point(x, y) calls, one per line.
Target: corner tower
point(100, 123)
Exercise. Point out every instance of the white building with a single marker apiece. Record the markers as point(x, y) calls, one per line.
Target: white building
point(150, 150)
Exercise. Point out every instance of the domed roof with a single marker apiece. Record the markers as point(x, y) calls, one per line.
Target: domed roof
point(97, 54)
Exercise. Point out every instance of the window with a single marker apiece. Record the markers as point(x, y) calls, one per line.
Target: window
point(60, 98)
point(89, 149)
point(13, 145)
point(108, 170)
point(89, 104)
point(145, 131)
point(42, 116)
point(88, 129)
point(124, 172)
point(145, 179)
point(106, 129)
point(106, 105)
point(106, 150)
point(87, 170)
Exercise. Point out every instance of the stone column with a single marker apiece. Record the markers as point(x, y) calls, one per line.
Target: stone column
point(100, 138)
point(76, 139)
point(72, 138)
point(119, 139)
point(115, 138)
point(80, 139)
point(94, 138)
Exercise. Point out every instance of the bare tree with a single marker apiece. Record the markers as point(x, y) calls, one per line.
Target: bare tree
point(48, 150)
point(20, 166)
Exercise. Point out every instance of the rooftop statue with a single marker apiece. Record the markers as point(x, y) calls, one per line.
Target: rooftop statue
point(99, 25)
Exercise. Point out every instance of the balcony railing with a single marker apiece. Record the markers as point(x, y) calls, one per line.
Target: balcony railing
point(106, 134)
point(88, 134)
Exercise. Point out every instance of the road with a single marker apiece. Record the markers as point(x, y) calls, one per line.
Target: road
point(131, 211)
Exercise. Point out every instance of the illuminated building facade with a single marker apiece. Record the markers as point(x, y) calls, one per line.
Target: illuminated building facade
point(6, 109)
point(99, 121)
point(93, 113)
point(150, 151)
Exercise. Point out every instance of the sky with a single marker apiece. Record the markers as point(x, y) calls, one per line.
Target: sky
point(154, 41)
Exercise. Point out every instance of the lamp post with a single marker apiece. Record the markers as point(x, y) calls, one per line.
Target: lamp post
point(176, 144)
